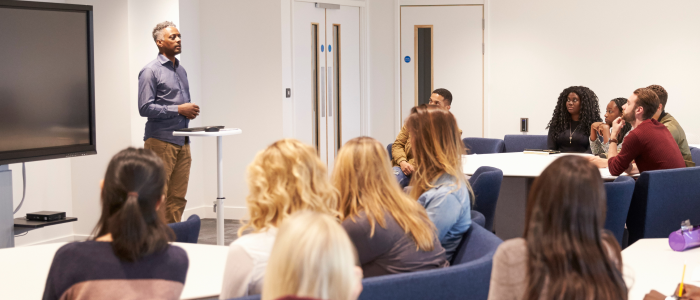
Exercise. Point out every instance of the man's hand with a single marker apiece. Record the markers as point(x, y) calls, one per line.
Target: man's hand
point(189, 110)
point(598, 162)
point(654, 295)
point(406, 168)
point(617, 126)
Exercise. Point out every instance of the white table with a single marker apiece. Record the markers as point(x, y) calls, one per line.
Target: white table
point(25, 270)
point(651, 264)
point(219, 203)
point(519, 171)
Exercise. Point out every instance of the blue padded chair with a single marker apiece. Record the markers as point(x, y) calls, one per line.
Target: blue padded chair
point(478, 218)
point(662, 200)
point(388, 149)
point(470, 274)
point(619, 195)
point(484, 146)
point(486, 184)
point(188, 231)
point(695, 153)
point(518, 142)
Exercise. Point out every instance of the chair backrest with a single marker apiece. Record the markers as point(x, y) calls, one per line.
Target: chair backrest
point(484, 145)
point(695, 153)
point(518, 143)
point(188, 231)
point(470, 277)
point(486, 184)
point(388, 149)
point(662, 200)
point(619, 195)
point(478, 218)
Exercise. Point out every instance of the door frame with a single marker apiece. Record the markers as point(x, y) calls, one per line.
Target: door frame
point(288, 57)
point(485, 96)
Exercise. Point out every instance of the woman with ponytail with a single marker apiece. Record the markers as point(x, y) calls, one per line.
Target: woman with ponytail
point(129, 255)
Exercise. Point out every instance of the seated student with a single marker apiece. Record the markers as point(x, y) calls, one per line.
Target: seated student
point(404, 163)
point(565, 252)
point(391, 232)
point(576, 110)
point(286, 177)
point(612, 112)
point(438, 181)
point(670, 122)
point(129, 255)
point(312, 258)
point(650, 145)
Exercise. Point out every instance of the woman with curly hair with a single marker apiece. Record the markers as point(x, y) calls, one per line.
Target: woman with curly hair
point(285, 178)
point(612, 112)
point(576, 110)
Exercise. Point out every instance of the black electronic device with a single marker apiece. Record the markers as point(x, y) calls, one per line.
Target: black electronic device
point(46, 215)
point(47, 96)
point(204, 128)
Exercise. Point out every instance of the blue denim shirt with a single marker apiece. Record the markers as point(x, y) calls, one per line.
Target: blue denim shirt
point(162, 87)
point(450, 211)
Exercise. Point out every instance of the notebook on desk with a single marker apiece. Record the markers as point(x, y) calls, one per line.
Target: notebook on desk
point(193, 129)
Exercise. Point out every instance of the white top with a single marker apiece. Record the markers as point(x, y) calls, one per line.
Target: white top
point(25, 269)
point(246, 264)
point(650, 264)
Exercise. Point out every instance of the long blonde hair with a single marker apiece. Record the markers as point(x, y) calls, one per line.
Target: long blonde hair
point(437, 148)
point(287, 177)
point(363, 176)
point(312, 257)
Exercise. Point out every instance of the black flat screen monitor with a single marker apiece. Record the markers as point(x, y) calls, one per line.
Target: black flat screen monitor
point(47, 89)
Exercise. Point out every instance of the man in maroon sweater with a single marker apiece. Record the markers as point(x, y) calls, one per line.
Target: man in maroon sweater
point(650, 145)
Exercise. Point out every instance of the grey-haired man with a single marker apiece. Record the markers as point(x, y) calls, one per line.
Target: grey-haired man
point(164, 98)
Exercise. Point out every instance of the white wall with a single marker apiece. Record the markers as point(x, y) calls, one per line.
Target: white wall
point(383, 93)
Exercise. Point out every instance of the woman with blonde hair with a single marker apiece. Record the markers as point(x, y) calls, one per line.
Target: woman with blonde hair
point(406, 239)
point(282, 179)
point(312, 258)
point(438, 182)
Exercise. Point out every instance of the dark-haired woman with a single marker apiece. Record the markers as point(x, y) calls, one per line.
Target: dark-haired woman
point(577, 108)
point(565, 253)
point(602, 130)
point(129, 256)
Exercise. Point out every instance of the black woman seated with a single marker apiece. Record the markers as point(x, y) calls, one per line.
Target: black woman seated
point(577, 108)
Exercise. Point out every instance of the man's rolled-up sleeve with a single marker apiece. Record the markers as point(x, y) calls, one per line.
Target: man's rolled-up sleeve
point(147, 98)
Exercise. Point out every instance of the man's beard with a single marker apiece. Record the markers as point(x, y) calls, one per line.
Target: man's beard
point(628, 117)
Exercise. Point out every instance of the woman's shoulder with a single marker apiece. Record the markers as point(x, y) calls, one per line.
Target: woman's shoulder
point(511, 252)
point(257, 241)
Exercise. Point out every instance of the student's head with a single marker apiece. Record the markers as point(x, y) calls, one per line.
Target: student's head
point(284, 178)
point(364, 178)
point(167, 38)
point(436, 144)
point(441, 97)
point(614, 110)
point(575, 101)
point(132, 191)
point(312, 257)
point(564, 233)
point(642, 105)
point(663, 98)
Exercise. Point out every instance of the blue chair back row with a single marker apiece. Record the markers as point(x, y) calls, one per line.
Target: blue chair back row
point(619, 196)
point(486, 184)
point(483, 145)
point(695, 153)
point(388, 149)
point(518, 143)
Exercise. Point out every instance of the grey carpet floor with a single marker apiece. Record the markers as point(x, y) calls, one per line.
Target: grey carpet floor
point(207, 231)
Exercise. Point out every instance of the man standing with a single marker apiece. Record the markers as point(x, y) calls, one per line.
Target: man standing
point(164, 98)
point(403, 162)
point(670, 122)
point(650, 145)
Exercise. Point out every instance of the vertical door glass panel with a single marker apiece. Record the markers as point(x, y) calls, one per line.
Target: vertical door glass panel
point(424, 63)
point(314, 82)
point(336, 89)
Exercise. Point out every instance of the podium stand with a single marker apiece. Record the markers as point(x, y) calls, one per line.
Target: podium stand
point(219, 203)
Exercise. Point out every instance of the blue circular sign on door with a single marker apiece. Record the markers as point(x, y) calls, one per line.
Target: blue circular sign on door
point(321, 48)
point(329, 48)
point(407, 59)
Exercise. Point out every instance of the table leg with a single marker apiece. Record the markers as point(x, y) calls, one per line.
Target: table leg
point(509, 221)
point(219, 191)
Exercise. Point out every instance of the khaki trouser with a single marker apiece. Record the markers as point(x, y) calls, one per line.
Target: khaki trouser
point(176, 161)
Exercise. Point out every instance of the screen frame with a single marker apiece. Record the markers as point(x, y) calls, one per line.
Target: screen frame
point(37, 154)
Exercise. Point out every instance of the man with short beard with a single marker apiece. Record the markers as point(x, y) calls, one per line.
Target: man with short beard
point(650, 145)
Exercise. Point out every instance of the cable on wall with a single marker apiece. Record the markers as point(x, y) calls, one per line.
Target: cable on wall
point(24, 188)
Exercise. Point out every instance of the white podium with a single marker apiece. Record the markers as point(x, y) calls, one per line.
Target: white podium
point(219, 203)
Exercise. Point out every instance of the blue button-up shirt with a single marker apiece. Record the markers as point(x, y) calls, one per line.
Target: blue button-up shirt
point(449, 207)
point(162, 87)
